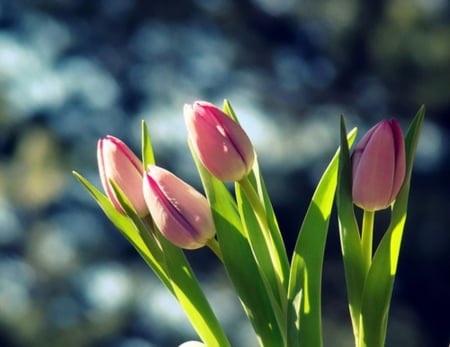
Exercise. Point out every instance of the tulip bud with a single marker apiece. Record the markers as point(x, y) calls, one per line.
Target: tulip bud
point(179, 211)
point(118, 163)
point(221, 144)
point(378, 166)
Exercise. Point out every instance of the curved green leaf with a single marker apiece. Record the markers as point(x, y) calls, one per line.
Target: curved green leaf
point(268, 263)
point(349, 235)
point(304, 315)
point(132, 230)
point(191, 297)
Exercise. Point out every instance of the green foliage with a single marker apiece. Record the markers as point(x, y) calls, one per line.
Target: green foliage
point(349, 234)
point(131, 231)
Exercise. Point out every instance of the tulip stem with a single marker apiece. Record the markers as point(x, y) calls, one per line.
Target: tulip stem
point(213, 245)
point(367, 238)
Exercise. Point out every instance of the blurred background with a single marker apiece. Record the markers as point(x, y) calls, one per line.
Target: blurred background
point(72, 71)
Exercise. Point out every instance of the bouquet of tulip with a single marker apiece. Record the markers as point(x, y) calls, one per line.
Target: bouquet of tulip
point(161, 215)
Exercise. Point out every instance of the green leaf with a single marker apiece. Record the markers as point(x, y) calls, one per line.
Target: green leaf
point(132, 230)
point(304, 295)
point(191, 296)
point(229, 110)
point(273, 223)
point(380, 280)
point(349, 234)
point(238, 259)
point(148, 156)
point(263, 250)
point(280, 263)
point(119, 220)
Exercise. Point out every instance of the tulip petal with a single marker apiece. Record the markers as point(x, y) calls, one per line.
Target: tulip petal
point(222, 145)
point(181, 213)
point(215, 148)
point(118, 163)
point(378, 166)
point(231, 130)
point(400, 158)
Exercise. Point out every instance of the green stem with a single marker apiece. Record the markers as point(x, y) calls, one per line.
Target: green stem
point(367, 238)
point(367, 252)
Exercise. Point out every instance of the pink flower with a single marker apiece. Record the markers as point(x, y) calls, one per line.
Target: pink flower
point(221, 144)
point(378, 166)
point(179, 211)
point(118, 163)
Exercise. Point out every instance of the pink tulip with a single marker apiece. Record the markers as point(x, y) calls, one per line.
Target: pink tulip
point(179, 211)
point(118, 163)
point(378, 166)
point(221, 144)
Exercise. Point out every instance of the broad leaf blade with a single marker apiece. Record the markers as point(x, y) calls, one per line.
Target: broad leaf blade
point(304, 315)
point(191, 297)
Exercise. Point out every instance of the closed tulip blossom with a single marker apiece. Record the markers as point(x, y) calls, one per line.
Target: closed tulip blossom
point(179, 211)
point(378, 166)
point(118, 163)
point(221, 144)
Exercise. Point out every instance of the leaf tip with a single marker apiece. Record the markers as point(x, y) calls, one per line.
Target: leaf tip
point(76, 174)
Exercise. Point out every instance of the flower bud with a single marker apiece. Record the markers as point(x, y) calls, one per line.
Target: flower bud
point(118, 163)
point(221, 144)
point(378, 166)
point(179, 211)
